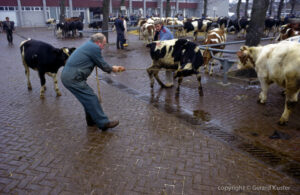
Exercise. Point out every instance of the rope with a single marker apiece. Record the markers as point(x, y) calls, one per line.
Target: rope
point(98, 85)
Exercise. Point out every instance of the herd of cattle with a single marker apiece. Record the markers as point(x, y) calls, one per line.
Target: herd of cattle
point(196, 25)
point(274, 63)
point(70, 27)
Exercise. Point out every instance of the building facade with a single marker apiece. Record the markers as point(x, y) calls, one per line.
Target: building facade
point(28, 13)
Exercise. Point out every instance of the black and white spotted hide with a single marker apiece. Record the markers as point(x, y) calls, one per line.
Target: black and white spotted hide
point(181, 56)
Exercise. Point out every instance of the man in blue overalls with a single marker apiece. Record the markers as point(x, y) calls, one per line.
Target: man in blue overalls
point(119, 24)
point(8, 27)
point(163, 33)
point(75, 73)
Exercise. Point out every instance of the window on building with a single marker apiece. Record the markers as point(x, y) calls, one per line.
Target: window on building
point(1, 8)
point(11, 8)
point(27, 8)
point(36, 8)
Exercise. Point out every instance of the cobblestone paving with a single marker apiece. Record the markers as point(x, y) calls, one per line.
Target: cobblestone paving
point(46, 147)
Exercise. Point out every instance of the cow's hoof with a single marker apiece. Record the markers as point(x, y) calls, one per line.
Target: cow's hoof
point(42, 96)
point(29, 88)
point(259, 102)
point(282, 122)
point(58, 94)
point(168, 85)
point(210, 74)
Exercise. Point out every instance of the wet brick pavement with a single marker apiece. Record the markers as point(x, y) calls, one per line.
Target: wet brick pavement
point(46, 147)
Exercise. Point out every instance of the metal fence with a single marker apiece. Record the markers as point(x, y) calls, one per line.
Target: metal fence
point(226, 63)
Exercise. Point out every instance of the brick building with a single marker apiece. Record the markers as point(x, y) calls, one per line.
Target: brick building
point(36, 12)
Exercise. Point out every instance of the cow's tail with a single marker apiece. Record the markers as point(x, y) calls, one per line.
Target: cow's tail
point(23, 42)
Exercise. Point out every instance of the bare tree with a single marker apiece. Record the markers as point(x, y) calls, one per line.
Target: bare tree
point(271, 7)
point(238, 9)
point(246, 8)
point(280, 6)
point(205, 8)
point(293, 3)
point(62, 11)
point(168, 8)
point(256, 27)
point(105, 18)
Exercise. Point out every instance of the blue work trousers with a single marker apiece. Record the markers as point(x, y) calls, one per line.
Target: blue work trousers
point(86, 96)
point(120, 40)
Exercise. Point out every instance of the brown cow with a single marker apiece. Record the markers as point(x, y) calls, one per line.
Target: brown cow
point(287, 31)
point(215, 36)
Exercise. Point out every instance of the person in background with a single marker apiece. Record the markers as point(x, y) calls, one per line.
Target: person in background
point(78, 68)
point(119, 24)
point(9, 27)
point(180, 17)
point(161, 32)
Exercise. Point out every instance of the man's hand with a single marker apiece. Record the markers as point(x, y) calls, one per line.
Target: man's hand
point(118, 68)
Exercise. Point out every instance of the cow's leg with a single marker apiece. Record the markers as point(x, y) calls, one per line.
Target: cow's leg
point(150, 72)
point(43, 82)
point(291, 99)
point(153, 71)
point(264, 90)
point(160, 82)
point(200, 90)
point(179, 83)
point(27, 72)
point(53, 75)
point(195, 35)
point(212, 64)
point(206, 67)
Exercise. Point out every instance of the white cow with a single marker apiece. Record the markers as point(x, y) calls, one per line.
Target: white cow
point(147, 31)
point(275, 63)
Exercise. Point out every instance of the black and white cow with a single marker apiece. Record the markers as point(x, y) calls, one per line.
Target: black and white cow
point(196, 26)
point(70, 28)
point(270, 25)
point(223, 21)
point(178, 55)
point(43, 58)
point(238, 25)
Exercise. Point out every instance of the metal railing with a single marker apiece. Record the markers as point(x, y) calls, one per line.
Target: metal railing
point(226, 63)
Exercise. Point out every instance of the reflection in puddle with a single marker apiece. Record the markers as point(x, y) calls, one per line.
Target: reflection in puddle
point(204, 116)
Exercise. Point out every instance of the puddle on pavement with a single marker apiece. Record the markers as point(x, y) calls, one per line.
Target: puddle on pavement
point(265, 154)
point(204, 116)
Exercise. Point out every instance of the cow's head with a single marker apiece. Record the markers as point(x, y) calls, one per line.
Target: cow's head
point(63, 54)
point(190, 61)
point(157, 50)
point(245, 56)
point(188, 26)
